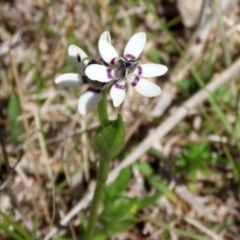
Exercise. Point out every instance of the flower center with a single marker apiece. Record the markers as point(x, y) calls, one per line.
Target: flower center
point(123, 67)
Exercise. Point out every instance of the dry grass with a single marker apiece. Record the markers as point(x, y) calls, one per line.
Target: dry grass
point(54, 158)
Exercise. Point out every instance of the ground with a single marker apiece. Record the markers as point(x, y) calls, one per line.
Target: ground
point(178, 174)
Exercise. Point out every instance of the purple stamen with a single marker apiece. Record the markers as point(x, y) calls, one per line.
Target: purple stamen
point(139, 70)
point(85, 79)
point(94, 90)
point(78, 58)
point(135, 81)
point(109, 73)
point(119, 86)
point(112, 61)
point(129, 57)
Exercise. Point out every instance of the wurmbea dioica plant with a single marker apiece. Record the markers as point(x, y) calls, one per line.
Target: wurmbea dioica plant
point(110, 71)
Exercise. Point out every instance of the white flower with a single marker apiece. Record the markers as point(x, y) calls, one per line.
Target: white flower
point(126, 68)
point(93, 95)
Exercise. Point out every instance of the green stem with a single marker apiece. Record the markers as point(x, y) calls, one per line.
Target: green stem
point(102, 110)
point(101, 180)
point(102, 174)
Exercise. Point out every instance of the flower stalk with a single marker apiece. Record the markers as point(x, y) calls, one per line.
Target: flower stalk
point(108, 140)
point(102, 110)
point(103, 170)
point(101, 180)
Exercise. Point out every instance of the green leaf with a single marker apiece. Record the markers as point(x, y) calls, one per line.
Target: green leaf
point(115, 190)
point(156, 181)
point(14, 111)
point(157, 154)
point(100, 235)
point(161, 186)
point(117, 227)
point(147, 201)
point(109, 141)
point(194, 157)
point(35, 228)
point(118, 210)
point(63, 238)
point(10, 232)
point(154, 55)
point(118, 215)
point(145, 168)
point(18, 232)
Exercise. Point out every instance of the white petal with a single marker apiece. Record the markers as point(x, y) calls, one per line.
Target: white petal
point(88, 100)
point(106, 36)
point(145, 87)
point(77, 54)
point(71, 80)
point(150, 70)
point(107, 51)
point(100, 73)
point(117, 92)
point(107, 85)
point(135, 46)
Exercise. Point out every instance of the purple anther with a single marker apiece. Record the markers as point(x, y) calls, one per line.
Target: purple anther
point(78, 58)
point(139, 70)
point(119, 86)
point(129, 57)
point(109, 73)
point(94, 90)
point(112, 61)
point(85, 79)
point(135, 81)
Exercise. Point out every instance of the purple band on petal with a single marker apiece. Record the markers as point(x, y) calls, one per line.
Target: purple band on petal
point(112, 61)
point(109, 73)
point(94, 90)
point(119, 86)
point(139, 70)
point(135, 81)
point(85, 79)
point(129, 57)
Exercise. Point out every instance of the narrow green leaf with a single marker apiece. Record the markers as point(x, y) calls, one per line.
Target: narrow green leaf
point(116, 189)
point(145, 202)
point(17, 227)
point(63, 238)
point(145, 168)
point(168, 227)
point(232, 163)
point(119, 209)
point(10, 232)
point(14, 111)
point(35, 228)
point(156, 181)
point(157, 154)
